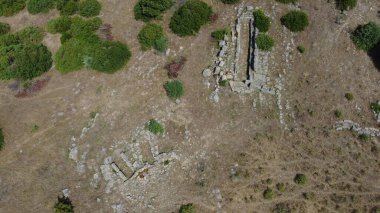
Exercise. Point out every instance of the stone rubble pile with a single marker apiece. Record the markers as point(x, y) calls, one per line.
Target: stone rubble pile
point(350, 125)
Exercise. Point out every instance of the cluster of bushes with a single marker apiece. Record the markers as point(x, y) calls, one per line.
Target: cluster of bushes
point(262, 21)
point(174, 89)
point(1, 139)
point(295, 21)
point(11, 7)
point(147, 10)
point(219, 34)
point(4, 28)
point(81, 47)
point(86, 8)
point(39, 6)
point(264, 42)
point(22, 56)
point(152, 35)
point(230, 1)
point(189, 18)
point(155, 127)
point(345, 4)
point(366, 36)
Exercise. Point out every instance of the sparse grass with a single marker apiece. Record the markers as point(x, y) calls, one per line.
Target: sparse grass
point(155, 127)
point(364, 137)
point(280, 187)
point(268, 194)
point(174, 89)
point(35, 128)
point(309, 195)
point(223, 83)
point(93, 115)
point(301, 48)
point(375, 107)
point(349, 96)
point(281, 208)
point(300, 179)
point(187, 208)
point(338, 113)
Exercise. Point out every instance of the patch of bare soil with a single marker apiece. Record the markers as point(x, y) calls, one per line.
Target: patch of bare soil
point(219, 156)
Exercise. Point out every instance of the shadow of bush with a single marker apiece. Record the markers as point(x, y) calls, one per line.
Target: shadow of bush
point(374, 54)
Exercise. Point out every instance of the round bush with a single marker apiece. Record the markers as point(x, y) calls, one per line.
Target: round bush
point(69, 56)
point(262, 21)
point(264, 42)
point(155, 127)
point(219, 34)
point(345, 4)
point(89, 8)
point(189, 18)
point(187, 208)
point(147, 10)
point(287, 1)
point(149, 35)
point(268, 194)
point(109, 56)
point(39, 6)
point(295, 21)
point(67, 7)
point(230, 1)
point(366, 36)
point(11, 7)
point(4, 28)
point(59, 25)
point(300, 179)
point(174, 89)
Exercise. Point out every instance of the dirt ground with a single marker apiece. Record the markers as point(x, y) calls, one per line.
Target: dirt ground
point(228, 152)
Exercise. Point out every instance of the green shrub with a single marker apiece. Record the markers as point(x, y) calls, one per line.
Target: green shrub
point(301, 49)
point(109, 56)
point(230, 1)
point(364, 137)
point(4, 28)
point(147, 10)
point(174, 89)
point(28, 35)
point(366, 36)
point(345, 4)
point(150, 35)
point(70, 55)
point(219, 34)
point(262, 21)
point(67, 7)
point(89, 8)
point(11, 7)
point(300, 179)
point(375, 107)
point(161, 44)
point(187, 208)
point(338, 113)
point(349, 96)
point(295, 21)
point(59, 25)
point(1, 139)
point(287, 1)
point(63, 205)
point(264, 42)
point(84, 29)
point(268, 194)
point(39, 6)
point(223, 83)
point(154, 127)
point(189, 18)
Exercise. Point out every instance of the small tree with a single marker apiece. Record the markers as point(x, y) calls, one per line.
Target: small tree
point(345, 4)
point(295, 21)
point(147, 10)
point(187, 208)
point(63, 205)
point(366, 36)
point(174, 89)
point(264, 42)
point(89, 8)
point(262, 21)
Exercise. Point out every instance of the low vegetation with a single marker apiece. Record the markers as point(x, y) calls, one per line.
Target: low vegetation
point(39, 6)
point(174, 89)
point(155, 127)
point(59, 25)
point(189, 18)
point(89, 8)
point(345, 4)
point(287, 1)
point(262, 21)
point(219, 34)
point(153, 36)
point(1, 139)
point(301, 49)
point(63, 205)
point(187, 208)
point(295, 21)
point(67, 7)
point(366, 36)
point(264, 42)
point(280, 187)
point(375, 107)
point(349, 96)
point(11, 7)
point(300, 179)
point(4, 28)
point(268, 194)
point(364, 137)
point(230, 1)
point(147, 10)
point(338, 113)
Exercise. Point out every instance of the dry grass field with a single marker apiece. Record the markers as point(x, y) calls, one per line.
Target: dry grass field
point(227, 153)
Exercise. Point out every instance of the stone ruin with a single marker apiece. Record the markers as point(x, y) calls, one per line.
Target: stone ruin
point(350, 125)
point(239, 61)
